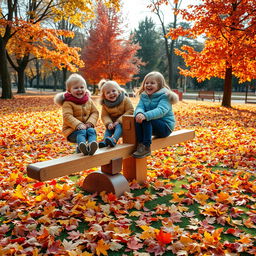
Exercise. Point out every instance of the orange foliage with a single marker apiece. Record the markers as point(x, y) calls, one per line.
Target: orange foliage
point(230, 30)
point(44, 43)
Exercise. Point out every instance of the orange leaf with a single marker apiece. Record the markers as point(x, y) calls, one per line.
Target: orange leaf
point(102, 247)
point(201, 198)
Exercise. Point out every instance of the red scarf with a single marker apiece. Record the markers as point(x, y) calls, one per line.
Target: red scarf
point(69, 97)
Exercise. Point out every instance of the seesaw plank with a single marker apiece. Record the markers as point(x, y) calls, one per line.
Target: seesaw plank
point(67, 165)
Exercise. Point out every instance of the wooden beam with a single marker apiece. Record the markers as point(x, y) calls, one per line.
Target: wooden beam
point(67, 165)
point(176, 137)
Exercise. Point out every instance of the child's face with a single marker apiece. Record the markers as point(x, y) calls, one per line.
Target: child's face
point(150, 86)
point(77, 89)
point(111, 93)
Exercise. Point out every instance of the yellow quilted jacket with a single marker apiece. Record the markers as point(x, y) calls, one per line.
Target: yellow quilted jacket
point(74, 114)
point(111, 115)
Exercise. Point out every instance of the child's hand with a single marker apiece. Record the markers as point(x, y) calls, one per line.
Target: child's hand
point(81, 127)
point(139, 118)
point(111, 126)
point(88, 125)
point(115, 124)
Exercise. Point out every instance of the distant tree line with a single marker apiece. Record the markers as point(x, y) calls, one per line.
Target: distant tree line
point(153, 53)
point(43, 57)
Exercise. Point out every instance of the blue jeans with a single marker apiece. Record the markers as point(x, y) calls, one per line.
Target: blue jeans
point(79, 136)
point(146, 129)
point(116, 132)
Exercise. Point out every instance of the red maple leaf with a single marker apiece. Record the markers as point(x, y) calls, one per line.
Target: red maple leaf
point(19, 240)
point(164, 237)
point(111, 197)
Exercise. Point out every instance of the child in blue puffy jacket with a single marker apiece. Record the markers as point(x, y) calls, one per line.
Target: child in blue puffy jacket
point(153, 114)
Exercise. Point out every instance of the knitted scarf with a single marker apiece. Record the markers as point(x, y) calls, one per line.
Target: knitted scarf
point(69, 97)
point(112, 104)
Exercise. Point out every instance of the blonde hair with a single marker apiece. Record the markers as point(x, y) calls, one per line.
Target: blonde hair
point(173, 97)
point(104, 83)
point(75, 78)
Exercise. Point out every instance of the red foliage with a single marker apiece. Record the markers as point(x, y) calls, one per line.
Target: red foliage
point(107, 54)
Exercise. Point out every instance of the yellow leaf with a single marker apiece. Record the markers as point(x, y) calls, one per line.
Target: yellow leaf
point(19, 192)
point(102, 247)
point(50, 195)
point(91, 204)
point(148, 232)
point(201, 198)
point(176, 198)
point(135, 213)
point(182, 208)
point(186, 240)
point(39, 198)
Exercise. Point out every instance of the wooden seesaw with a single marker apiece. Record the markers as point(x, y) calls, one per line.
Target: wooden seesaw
point(111, 160)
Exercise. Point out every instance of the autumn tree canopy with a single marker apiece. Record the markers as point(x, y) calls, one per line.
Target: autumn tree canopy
point(107, 54)
point(17, 17)
point(41, 43)
point(230, 46)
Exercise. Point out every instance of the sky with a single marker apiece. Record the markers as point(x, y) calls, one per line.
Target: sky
point(136, 11)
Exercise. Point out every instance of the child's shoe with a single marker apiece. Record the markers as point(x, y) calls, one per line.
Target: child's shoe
point(142, 151)
point(110, 141)
point(78, 150)
point(83, 148)
point(92, 147)
point(102, 144)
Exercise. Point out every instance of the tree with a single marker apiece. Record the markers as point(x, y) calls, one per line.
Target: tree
point(169, 44)
point(41, 43)
point(70, 41)
point(12, 20)
point(230, 30)
point(106, 53)
point(148, 39)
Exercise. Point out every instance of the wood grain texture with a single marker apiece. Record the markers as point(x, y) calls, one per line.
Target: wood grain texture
point(67, 165)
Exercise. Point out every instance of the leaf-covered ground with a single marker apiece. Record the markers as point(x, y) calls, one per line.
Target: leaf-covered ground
point(199, 198)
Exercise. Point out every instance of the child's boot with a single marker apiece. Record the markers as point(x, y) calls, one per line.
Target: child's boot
point(110, 141)
point(83, 148)
point(92, 147)
point(102, 144)
point(78, 150)
point(142, 151)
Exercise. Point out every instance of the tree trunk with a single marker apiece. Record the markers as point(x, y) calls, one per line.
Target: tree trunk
point(5, 75)
point(226, 100)
point(171, 73)
point(38, 74)
point(21, 75)
point(64, 71)
point(171, 64)
point(169, 58)
point(54, 75)
point(44, 82)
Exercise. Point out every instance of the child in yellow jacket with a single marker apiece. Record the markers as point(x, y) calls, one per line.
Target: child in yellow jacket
point(115, 104)
point(80, 115)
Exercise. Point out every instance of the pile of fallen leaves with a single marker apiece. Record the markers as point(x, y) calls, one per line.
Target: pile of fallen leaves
point(199, 198)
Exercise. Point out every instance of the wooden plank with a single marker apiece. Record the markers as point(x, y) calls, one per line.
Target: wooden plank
point(67, 165)
point(63, 166)
point(175, 138)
